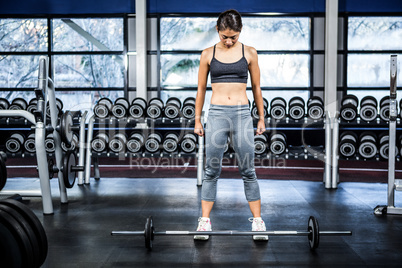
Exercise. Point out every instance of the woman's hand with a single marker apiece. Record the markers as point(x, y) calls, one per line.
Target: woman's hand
point(260, 127)
point(198, 129)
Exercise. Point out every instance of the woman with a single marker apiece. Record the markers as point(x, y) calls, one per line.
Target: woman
point(229, 62)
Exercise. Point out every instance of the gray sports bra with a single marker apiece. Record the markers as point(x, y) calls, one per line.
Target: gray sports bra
point(236, 72)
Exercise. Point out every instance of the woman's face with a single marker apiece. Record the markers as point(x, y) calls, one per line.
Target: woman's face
point(228, 37)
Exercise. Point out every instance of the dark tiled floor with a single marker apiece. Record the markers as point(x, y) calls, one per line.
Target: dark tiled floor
point(79, 232)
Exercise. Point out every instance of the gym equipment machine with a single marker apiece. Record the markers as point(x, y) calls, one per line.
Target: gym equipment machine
point(393, 184)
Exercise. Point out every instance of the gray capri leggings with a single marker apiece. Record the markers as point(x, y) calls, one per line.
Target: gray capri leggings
point(232, 121)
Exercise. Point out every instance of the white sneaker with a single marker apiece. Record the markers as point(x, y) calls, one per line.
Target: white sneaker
point(204, 224)
point(258, 225)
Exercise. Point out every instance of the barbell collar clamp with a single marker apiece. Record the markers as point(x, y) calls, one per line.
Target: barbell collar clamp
point(55, 169)
point(77, 168)
point(49, 128)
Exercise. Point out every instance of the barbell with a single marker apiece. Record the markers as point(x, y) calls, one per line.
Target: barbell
point(313, 233)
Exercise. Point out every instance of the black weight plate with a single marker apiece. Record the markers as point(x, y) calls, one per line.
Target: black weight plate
point(68, 174)
point(59, 104)
point(314, 237)
point(317, 228)
point(10, 253)
point(66, 124)
point(34, 222)
point(50, 165)
point(3, 173)
point(149, 233)
point(20, 236)
point(28, 230)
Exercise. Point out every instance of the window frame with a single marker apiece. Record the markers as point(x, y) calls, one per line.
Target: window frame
point(50, 53)
point(309, 52)
point(346, 52)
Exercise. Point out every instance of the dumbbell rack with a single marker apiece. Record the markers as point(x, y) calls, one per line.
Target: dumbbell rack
point(302, 150)
point(299, 147)
point(45, 93)
point(378, 126)
point(124, 124)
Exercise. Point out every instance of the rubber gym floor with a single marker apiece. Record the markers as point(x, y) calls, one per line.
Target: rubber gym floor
point(79, 233)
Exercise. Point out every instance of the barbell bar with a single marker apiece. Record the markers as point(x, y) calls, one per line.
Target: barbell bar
point(313, 233)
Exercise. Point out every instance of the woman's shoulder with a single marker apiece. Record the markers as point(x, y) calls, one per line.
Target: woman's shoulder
point(250, 50)
point(250, 53)
point(208, 51)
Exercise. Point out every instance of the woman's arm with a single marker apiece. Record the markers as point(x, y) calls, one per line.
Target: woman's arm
point(202, 87)
point(255, 86)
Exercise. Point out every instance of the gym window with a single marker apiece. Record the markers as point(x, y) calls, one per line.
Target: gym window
point(86, 54)
point(371, 41)
point(283, 45)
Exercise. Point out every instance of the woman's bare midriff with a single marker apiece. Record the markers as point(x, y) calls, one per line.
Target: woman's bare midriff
point(229, 94)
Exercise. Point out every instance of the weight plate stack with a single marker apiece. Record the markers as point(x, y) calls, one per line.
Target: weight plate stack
point(20, 236)
point(28, 231)
point(33, 233)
